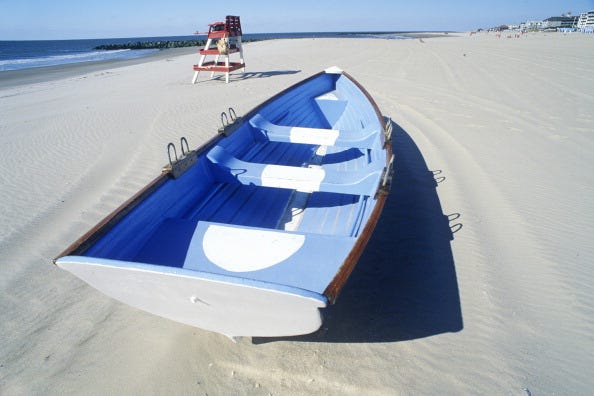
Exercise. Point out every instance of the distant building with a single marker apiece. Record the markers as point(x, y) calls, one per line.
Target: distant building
point(564, 23)
point(585, 22)
point(586, 19)
point(560, 22)
point(531, 25)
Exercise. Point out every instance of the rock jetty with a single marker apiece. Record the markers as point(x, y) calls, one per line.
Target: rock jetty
point(152, 45)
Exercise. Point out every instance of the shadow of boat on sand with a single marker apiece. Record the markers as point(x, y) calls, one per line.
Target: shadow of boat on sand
point(404, 286)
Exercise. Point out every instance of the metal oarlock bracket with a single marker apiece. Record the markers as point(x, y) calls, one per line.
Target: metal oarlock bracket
point(224, 120)
point(228, 127)
point(181, 143)
point(232, 114)
point(177, 167)
point(169, 147)
point(387, 131)
point(386, 181)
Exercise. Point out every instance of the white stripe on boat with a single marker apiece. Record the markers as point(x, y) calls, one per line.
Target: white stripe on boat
point(334, 70)
point(319, 136)
point(300, 179)
point(327, 96)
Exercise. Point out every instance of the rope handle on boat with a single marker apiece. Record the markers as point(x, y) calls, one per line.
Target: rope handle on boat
point(169, 146)
point(181, 143)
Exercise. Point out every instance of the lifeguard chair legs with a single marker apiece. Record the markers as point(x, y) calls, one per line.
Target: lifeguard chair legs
point(230, 32)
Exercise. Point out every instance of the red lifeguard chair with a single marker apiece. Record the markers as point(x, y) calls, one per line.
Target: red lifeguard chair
point(225, 37)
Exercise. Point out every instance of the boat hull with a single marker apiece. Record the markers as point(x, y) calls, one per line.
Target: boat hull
point(212, 304)
point(258, 230)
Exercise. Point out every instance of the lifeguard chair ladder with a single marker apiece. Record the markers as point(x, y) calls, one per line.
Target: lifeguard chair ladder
point(229, 32)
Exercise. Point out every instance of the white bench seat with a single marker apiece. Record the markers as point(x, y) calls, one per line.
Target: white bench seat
point(316, 136)
point(310, 179)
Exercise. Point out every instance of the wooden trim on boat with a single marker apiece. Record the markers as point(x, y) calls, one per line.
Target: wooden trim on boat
point(333, 289)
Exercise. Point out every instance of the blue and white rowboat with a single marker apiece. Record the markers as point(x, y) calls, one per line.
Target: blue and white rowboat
point(255, 232)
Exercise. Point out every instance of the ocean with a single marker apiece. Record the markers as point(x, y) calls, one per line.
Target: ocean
point(16, 55)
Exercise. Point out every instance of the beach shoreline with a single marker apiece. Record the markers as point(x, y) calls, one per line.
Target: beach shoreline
point(13, 78)
point(477, 279)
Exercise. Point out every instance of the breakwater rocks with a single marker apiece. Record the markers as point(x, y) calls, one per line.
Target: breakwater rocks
point(152, 45)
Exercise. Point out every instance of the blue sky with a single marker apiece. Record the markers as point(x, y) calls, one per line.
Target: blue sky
point(59, 19)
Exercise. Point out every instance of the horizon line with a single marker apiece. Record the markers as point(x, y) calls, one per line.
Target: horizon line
point(205, 34)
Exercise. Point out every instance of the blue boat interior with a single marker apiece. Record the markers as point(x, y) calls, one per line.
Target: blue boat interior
point(321, 188)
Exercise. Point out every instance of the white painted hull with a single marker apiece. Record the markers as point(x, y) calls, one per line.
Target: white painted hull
point(227, 308)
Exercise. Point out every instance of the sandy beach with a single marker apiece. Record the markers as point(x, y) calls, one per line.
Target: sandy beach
point(478, 280)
